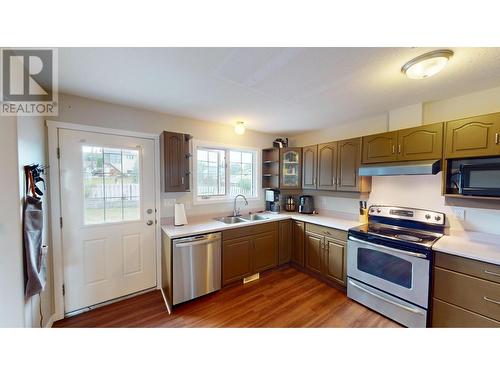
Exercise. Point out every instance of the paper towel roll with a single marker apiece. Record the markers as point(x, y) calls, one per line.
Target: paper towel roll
point(179, 214)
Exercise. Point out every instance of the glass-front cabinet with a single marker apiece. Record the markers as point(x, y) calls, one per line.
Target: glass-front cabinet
point(291, 168)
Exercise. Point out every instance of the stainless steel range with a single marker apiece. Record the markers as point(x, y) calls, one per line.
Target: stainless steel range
point(389, 262)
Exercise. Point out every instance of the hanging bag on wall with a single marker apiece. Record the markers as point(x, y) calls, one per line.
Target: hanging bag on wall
point(32, 238)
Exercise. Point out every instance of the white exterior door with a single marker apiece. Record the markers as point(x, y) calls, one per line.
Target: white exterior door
point(108, 216)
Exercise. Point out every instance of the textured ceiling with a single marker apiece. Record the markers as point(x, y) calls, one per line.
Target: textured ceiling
point(275, 90)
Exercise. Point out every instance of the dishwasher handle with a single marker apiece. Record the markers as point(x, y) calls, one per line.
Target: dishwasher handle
point(198, 240)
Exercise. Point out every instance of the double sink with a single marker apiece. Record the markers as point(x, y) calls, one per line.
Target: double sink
point(241, 219)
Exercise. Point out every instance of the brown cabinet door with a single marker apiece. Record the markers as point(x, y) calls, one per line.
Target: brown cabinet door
point(309, 163)
point(334, 261)
point(176, 161)
point(380, 148)
point(291, 168)
point(313, 252)
point(265, 251)
point(421, 143)
point(236, 259)
point(349, 162)
point(475, 136)
point(327, 166)
point(298, 242)
point(285, 242)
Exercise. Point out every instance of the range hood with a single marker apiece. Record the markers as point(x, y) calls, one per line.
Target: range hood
point(401, 168)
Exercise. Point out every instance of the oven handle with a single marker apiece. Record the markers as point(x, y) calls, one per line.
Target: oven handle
point(418, 255)
point(415, 311)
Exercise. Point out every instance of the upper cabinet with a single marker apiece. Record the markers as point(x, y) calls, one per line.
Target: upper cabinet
point(418, 143)
point(291, 168)
point(475, 136)
point(309, 170)
point(327, 166)
point(380, 148)
point(349, 161)
point(334, 166)
point(176, 161)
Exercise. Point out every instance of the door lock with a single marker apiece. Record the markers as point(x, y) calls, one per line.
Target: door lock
point(149, 222)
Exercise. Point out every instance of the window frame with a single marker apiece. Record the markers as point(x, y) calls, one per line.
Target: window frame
point(214, 199)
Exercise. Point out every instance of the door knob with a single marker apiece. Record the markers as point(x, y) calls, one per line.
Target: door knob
point(149, 222)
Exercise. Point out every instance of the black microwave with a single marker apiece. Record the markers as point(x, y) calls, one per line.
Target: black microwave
point(480, 179)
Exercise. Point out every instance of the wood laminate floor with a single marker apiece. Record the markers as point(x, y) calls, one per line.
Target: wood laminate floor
point(284, 297)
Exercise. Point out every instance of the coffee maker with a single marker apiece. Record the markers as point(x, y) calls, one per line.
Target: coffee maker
point(272, 200)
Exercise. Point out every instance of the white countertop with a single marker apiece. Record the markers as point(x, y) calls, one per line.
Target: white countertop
point(473, 245)
point(208, 224)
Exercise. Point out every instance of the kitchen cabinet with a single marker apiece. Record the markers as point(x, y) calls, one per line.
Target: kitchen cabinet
point(327, 166)
point(334, 260)
point(285, 241)
point(270, 168)
point(313, 249)
point(236, 260)
point(309, 163)
point(380, 148)
point(291, 168)
point(248, 250)
point(349, 160)
point(412, 144)
point(466, 293)
point(298, 242)
point(176, 156)
point(334, 166)
point(474, 136)
point(325, 253)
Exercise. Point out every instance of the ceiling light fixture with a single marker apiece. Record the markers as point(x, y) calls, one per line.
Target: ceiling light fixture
point(240, 128)
point(427, 65)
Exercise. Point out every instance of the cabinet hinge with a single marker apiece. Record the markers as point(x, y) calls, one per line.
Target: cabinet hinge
point(60, 222)
point(58, 153)
point(64, 290)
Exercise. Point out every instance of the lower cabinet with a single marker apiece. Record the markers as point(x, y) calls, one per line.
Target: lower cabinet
point(285, 242)
point(466, 293)
point(248, 250)
point(325, 253)
point(298, 240)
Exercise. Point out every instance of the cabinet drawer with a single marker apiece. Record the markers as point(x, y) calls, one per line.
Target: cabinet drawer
point(249, 230)
point(476, 268)
point(451, 316)
point(471, 293)
point(325, 231)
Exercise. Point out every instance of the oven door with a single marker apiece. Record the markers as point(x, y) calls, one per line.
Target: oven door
point(397, 272)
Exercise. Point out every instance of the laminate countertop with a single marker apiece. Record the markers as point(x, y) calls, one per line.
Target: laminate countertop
point(208, 224)
point(473, 245)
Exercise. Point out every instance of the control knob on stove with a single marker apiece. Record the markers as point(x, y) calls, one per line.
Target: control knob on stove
point(427, 216)
point(437, 218)
point(378, 210)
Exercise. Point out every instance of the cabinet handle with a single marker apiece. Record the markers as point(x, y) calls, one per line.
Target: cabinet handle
point(399, 149)
point(497, 138)
point(492, 273)
point(491, 300)
point(314, 181)
point(393, 149)
point(182, 180)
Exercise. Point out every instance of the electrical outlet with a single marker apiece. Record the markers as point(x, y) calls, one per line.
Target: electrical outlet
point(459, 213)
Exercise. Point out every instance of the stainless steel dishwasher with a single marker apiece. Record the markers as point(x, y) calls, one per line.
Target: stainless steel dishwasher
point(196, 268)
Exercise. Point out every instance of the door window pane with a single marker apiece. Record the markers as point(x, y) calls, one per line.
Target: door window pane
point(111, 179)
point(386, 266)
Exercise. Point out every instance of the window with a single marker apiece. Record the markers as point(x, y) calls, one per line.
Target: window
point(111, 184)
point(224, 173)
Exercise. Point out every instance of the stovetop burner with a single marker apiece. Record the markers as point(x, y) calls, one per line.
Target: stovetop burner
point(415, 236)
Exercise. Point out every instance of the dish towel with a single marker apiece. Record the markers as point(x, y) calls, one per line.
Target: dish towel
point(33, 227)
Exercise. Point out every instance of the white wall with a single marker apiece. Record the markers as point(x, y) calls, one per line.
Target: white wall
point(11, 256)
point(31, 138)
point(414, 191)
point(97, 113)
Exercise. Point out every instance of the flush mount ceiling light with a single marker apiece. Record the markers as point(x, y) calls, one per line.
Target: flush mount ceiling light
point(427, 65)
point(240, 128)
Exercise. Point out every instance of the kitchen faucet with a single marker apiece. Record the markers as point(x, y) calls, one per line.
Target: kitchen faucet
point(236, 211)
